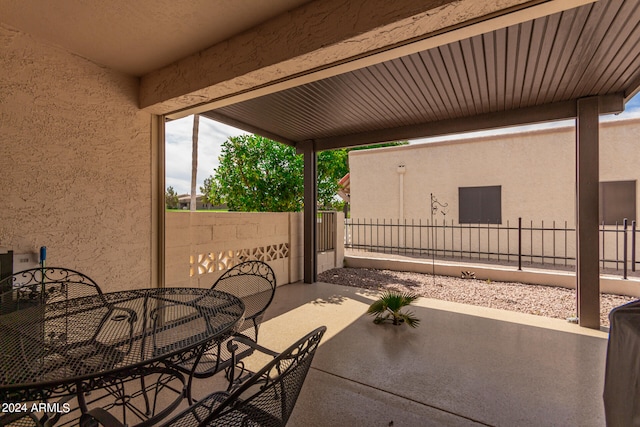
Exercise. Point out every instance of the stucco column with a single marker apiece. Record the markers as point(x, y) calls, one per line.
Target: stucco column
point(587, 202)
point(310, 210)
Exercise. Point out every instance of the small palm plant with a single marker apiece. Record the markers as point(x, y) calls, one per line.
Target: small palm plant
point(389, 305)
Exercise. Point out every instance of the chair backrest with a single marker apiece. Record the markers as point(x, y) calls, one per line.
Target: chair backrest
point(44, 285)
point(269, 396)
point(254, 282)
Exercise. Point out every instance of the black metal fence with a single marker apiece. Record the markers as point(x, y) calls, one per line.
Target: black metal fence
point(544, 244)
point(326, 231)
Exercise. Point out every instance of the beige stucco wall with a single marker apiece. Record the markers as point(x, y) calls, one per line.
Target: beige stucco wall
point(619, 154)
point(201, 246)
point(536, 170)
point(75, 163)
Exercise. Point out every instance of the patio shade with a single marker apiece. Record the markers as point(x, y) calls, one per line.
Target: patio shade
point(529, 72)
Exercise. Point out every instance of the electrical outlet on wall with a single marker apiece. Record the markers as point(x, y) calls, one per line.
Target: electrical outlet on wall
point(25, 261)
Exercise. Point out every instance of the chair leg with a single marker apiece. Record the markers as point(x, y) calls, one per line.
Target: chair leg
point(144, 394)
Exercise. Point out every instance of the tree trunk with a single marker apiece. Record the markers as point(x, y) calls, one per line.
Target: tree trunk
point(194, 161)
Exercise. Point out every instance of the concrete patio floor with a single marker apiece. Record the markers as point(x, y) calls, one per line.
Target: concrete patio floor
point(462, 366)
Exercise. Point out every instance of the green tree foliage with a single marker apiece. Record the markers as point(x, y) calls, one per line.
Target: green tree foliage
point(258, 174)
point(332, 165)
point(171, 199)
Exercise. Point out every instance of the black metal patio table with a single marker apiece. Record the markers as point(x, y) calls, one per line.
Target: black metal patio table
point(79, 345)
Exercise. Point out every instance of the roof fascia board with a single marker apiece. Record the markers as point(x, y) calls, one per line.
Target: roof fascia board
point(609, 104)
point(633, 89)
point(213, 115)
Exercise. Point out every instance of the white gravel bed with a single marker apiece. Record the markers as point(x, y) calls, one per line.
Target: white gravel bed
point(549, 301)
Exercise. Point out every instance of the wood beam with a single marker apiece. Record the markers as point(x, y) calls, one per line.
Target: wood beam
point(524, 116)
point(587, 202)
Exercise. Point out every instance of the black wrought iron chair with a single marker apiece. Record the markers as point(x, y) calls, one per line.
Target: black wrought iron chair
point(34, 287)
point(266, 399)
point(21, 420)
point(255, 283)
point(29, 289)
point(37, 286)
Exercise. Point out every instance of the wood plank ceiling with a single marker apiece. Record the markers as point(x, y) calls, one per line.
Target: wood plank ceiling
point(586, 51)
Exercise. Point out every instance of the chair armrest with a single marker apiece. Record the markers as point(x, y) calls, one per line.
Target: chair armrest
point(236, 379)
point(202, 409)
point(101, 416)
point(232, 347)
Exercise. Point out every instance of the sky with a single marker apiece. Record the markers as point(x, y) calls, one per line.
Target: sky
point(212, 134)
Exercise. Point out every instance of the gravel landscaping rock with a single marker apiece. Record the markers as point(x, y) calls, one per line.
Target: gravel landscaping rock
point(540, 300)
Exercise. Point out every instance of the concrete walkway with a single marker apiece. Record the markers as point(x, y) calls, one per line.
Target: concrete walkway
point(462, 366)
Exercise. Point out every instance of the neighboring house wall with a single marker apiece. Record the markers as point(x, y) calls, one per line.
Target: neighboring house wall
point(535, 170)
point(201, 246)
point(73, 144)
point(184, 202)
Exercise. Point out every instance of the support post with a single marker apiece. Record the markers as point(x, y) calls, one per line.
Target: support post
point(625, 250)
point(587, 202)
point(310, 211)
point(519, 243)
point(158, 212)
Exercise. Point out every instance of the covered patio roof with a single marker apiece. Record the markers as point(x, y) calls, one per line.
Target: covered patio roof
point(578, 62)
point(532, 71)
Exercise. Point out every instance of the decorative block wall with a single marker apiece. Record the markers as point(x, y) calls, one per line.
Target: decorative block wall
point(201, 246)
